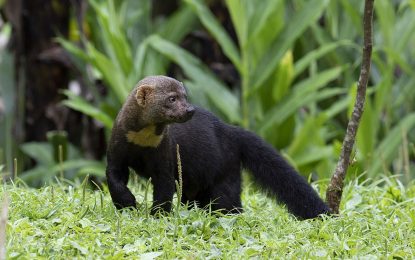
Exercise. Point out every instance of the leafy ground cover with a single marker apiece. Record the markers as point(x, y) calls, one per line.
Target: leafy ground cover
point(69, 220)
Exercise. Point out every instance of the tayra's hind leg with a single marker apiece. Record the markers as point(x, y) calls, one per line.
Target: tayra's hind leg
point(226, 196)
point(189, 202)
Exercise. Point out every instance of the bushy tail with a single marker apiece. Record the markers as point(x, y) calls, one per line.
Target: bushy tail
point(277, 177)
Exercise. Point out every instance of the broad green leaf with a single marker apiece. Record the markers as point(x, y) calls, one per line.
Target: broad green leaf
point(332, 17)
point(265, 24)
point(389, 146)
point(305, 61)
point(353, 13)
point(407, 91)
point(197, 95)
point(122, 52)
point(309, 13)
point(386, 18)
point(81, 105)
point(366, 133)
point(239, 14)
point(292, 104)
point(403, 32)
point(313, 155)
point(266, 13)
point(217, 31)
point(302, 94)
point(173, 29)
point(178, 25)
point(395, 58)
point(37, 174)
point(111, 73)
point(337, 107)
point(95, 168)
point(73, 49)
point(382, 95)
point(41, 152)
point(218, 94)
point(45, 173)
point(73, 164)
point(306, 136)
point(317, 81)
point(139, 63)
point(277, 86)
point(284, 76)
point(114, 41)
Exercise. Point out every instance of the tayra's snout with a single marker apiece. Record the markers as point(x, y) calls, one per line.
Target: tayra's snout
point(190, 110)
point(183, 115)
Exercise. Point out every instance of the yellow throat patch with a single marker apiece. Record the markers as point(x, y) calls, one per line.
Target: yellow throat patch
point(146, 137)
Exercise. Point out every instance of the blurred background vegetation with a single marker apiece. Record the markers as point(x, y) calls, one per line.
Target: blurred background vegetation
point(284, 69)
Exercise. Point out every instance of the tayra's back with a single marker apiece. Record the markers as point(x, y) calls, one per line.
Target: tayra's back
point(214, 152)
point(207, 147)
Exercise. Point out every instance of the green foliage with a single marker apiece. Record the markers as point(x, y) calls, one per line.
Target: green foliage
point(72, 221)
point(118, 53)
point(272, 78)
point(298, 63)
point(120, 61)
point(265, 64)
point(80, 104)
point(47, 167)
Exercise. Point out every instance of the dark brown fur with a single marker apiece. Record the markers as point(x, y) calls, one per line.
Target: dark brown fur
point(157, 116)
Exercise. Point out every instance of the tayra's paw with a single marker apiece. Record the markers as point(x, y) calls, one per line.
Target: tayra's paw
point(158, 212)
point(162, 209)
point(126, 202)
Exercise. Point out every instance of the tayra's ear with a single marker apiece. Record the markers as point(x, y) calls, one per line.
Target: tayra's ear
point(143, 93)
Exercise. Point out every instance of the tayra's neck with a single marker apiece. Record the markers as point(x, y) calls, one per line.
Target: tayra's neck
point(150, 136)
point(136, 129)
point(131, 117)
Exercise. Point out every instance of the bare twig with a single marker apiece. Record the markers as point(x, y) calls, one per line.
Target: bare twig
point(335, 189)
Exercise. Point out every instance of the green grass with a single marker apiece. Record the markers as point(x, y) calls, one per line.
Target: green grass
point(65, 220)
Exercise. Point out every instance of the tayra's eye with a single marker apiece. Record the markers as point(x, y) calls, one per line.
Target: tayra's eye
point(172, 99)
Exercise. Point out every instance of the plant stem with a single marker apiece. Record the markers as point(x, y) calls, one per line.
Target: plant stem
point(245, 90)
point(15, 168)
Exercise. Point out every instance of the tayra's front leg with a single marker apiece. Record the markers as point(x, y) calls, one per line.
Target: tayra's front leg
point(163, 188)
point(117, 179)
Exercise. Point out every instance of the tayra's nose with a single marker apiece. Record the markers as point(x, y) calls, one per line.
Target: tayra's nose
point(190, 110)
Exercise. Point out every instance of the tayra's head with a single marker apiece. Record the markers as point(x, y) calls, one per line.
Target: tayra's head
point(163, 100)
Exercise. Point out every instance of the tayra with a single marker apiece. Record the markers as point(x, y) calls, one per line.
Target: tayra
point(157, 116)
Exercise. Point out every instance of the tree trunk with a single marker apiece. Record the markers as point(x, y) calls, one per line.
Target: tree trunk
point(36, 24)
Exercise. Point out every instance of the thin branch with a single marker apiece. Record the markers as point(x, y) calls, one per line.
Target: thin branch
point(335, 189)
